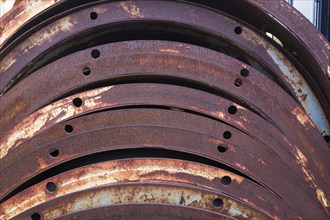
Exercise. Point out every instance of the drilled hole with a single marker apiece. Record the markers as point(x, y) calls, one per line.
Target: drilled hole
point(93, 15)
point(51, 187)
point(327, 138)
point(238, 82)
point(54, 153)
point(222, 149)
point(217, 202)
point(226, 180)
point(238, 30)
point(68, 128)
point(226, 135)
point(232, 109)
point(244, 72)
point(35, 216)
point(86, 71)
point(95, 53)
point(77, 102)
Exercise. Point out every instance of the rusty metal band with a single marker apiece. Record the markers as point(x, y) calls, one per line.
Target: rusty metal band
point(176, 172)
point(146, 118)
point(83, 138)
point(284, 186)
point(301, 118)
point(151, 94)
point(300, 31)
point(20, 15)
point(175, 109)
point(168, 96)
point(265, 52)
point(140, 211)
point(182, 65)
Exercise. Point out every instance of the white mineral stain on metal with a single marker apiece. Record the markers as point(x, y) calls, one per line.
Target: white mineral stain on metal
point(110, 172)
point(55, 113)
point(63, 25)
point(234, 211)
point(46, 34)
point(169, 51)
point(131, 8)
point(303, 92)
point(31, 9)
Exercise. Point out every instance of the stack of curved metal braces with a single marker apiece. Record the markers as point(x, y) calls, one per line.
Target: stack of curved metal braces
point(163, 110)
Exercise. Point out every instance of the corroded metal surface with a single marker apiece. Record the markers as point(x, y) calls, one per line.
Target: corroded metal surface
point(149, 170)
point(163, 105)
point(75, 23)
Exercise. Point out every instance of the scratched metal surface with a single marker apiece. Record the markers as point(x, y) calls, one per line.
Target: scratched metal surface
point(181, 106)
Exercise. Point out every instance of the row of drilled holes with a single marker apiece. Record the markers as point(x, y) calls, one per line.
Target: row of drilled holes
point(217, 203)
point(227, 135)
point(51, 188)
point(96, 54)
point(226, 180)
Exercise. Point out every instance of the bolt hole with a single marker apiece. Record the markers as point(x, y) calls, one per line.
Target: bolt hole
point(222, 149)
point(238, 82)
point(93, 15)
point(217, 202)
point(35, 216)
point(51, 187)
point(232, 109)
point(294, 54)
point(77, 102)
point(244, 72)
point(238, 30)
point(86, 71)
point(226, 180)
point(68, 128)
point(54, 153)
point(327, 138)
point(95, 53)
point(226, 135)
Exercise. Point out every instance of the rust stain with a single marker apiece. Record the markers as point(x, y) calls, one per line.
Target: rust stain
point(301, 88)
point(46, 34)
point(169, 50)
point(309, 178)
point(20, 14)
point(237, 211)
point(54, 113)
point(131, 8)
point(65, 24)
point(302, 117)
point(241, 166)
point(110, 172)
point(100, 10)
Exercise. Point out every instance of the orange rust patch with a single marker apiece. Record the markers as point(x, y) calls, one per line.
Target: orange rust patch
point(20, 14)
point(131, 8)
point(302, 117)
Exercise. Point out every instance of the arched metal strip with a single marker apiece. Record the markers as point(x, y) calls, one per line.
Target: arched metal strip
point(136, 119)
point(20, 15)
point(176, 172)
point(259, 46)
point(146, 58)
point(140, 211)
point(168, 68)
point(132, 137)
point(150, 94)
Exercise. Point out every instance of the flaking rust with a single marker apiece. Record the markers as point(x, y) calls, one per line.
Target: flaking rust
point(21, 14)
point(210, 117)
point(134, 171)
